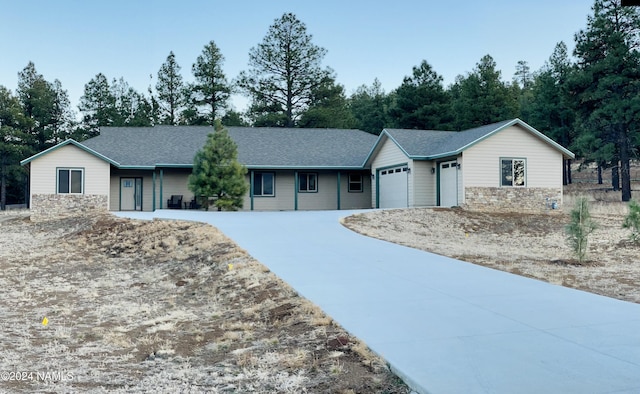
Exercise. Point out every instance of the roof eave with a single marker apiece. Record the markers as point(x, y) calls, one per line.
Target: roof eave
point(65, 143)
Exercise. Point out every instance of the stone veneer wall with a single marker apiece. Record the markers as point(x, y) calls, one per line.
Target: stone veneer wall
point(512, 199)
point(53, 206)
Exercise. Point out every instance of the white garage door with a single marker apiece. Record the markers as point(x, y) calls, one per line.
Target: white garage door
point(393, 186)
point(448, 184)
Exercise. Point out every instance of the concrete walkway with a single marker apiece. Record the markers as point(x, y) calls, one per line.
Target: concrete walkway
point(444, 326)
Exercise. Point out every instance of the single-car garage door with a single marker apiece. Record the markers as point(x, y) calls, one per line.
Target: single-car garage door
point(448, 184)
point(393, 187)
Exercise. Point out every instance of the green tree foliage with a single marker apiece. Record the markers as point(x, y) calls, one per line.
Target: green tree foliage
point(210, 92)
point(217, 173)
point(579, 228)
point(607, 81)
point(285, 70)
point(97, 105)
point(482, 97)
point(328, 107)
point(113, 104)
point(13, 143)
point(46, 108)
point(234, 118)
point(551, 108)
point(369, 106)
point(632, 221)
point(421, 102)
point(171, 91)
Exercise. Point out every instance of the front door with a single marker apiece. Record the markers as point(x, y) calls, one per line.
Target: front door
point(448, 184)
point(131, 194)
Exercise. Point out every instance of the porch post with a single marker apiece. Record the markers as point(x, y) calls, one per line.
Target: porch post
point(295, 190)
point(338, 190)
point(251, 180)
point(161, 178)
point(153, 182)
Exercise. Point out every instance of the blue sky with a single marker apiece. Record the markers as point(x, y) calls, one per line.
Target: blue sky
point(73, 40)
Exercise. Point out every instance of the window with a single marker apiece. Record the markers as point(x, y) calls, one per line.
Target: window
point(513, 172)
point(355, 183)
point(70, 181)
point(307, 182)
point(263, 184)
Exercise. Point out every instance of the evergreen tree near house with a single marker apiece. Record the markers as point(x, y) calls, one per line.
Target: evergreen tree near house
point(170, 91)
point(607, 84)
point(328, 107)
point(13, 144)
point(421, 101)
point(285, 70)
point(369, 106)
point(217, 174)
point(481, 97)
point(210, 92)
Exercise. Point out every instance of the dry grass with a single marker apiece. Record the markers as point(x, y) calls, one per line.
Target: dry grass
point(163, 307)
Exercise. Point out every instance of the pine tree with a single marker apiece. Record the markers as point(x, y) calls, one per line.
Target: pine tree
point(210, 92)
point(369, 106)
point(171, 91)
point(217, 173)
point(12, 142)
point(421, 101)
point(285, 71)
point(482, 97)
point(607, 81)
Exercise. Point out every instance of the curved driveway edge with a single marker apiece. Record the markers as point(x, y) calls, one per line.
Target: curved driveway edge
point(444, 326)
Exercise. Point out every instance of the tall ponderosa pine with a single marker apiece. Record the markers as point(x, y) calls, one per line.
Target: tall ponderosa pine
point(482, 97)
point(285, 70)
point(421, 101)
point(210, 91)
point(607, 83)
point(217, 173)
point(171, 91)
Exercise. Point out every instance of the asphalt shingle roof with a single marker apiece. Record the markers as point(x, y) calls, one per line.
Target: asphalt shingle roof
point(430, 143)
point(257, 147)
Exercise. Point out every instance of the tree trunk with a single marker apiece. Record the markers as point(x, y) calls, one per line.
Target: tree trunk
point(564, 172)
point(600, 174)
point(3, 188)
point(615, 178)
point(625, 170)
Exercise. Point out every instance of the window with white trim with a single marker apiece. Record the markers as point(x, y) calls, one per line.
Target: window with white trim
point(513, 172)
point(264, 184)
point(355, 183)
point(307, 182)
point(70, 181)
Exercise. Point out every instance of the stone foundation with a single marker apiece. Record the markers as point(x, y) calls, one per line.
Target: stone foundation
point(54, 206)
point(513, 199)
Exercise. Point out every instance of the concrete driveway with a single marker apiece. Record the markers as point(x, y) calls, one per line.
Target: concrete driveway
point(444, 326)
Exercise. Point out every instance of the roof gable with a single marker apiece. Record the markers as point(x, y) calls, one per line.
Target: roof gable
point(65, 143)
point(434, 144)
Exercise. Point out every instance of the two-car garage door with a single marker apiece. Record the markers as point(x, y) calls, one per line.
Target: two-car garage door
point(393, 187)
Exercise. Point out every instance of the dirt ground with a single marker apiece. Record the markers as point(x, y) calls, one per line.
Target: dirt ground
point(162, 306)
point(525, 244)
